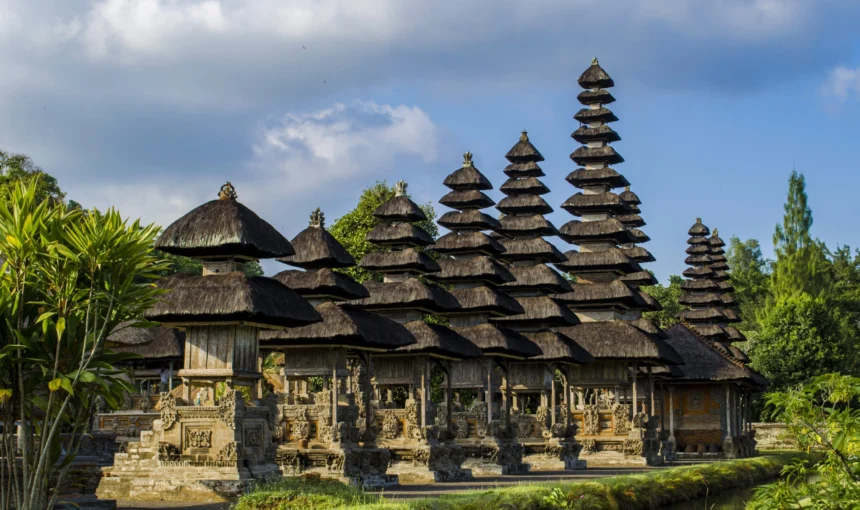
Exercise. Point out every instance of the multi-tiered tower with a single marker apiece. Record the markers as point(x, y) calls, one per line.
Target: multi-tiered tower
point(606, 296)
point(700, 292)
point(543, 418)
point(470, 268)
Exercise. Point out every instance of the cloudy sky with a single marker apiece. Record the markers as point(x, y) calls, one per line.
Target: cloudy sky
point(150, 105)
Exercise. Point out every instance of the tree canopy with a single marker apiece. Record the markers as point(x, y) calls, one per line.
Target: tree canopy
point(668, 298)
point(16, 168)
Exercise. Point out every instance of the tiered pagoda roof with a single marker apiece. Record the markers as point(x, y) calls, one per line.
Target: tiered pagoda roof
point(700, 293)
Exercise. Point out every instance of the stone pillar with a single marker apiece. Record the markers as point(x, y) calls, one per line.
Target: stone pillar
point(671, 414)
point(489, 393)
point(425, 398)
point(662, 408)
point(566, 378)
point(653, 409)
point(449, 405)
point(552, 397)
point(728, 411)
point(334, 390)
point(635, 388)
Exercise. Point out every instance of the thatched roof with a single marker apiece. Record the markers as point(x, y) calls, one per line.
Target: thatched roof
point(400, 208)
point(523, 169)
point(486, 300)
point(697, 249)
point(727, 299)
point(405, 260)
point(532, 224)
point(322, 282)
point(601, 295)
point(699, 285)
point(609, 229)
point(588, 115)
point(704, 363)
point(533, 248)
point(342, 325)
point(698, 272)
point(698, 229)
point(229, 298)
point(467, 199)
point(612, 259)
point(697, 240)
point(639, 254)
point(479, 268)
point(704, 314)
point(731, 315)
point(738, 354)
point(718, 257)
point(315, 247)
point(540, 311)
point(496, 340)
point(639, 236)
point(399, 234)
point(581, 203)
point(582, 177)
point(725, 286)
point(721, 274)
point(524, 186)
point(630, 197)
point(468, 242)
point(621, 340)
point(631, 220)
point(719, 266)
point(697, 260)
point(595, 77)
point(471, 219)
point(707, 298)
point(467, 177)
point(715, 241)
point(710, 331)
point(436, 340)
point(538, 277)
point(605, 154)
point(524, 204)
point(150, 343)
point(600, 96)
point(410, 294)
point(603, 133)
point(523, 151)
point(639, 278)
point(558, 348)
point(651, 304)
point(648, 327)
point(734, 335)
point(222, 228)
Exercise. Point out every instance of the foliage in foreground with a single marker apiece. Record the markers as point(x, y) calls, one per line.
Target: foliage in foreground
point(825, 415)
point(649, 490)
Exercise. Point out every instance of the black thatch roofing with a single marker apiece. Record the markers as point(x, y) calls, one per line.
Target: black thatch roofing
point(472, 219)
point(639, 254)
point(585, 203)
point(500, 341)
point(315, 247)
point(631, 220)
point(699, 285)
point(467, 199)
point(651, 304)
point(150, 343)
point(468, 242)
point(436, 340)
point(408, 294)
point(698, 260)
point(588, 115)
point(715, 241)
point(600, 96)
point(222, 228)
point(595, 77)
point(600, 295)
point(523, 151)
point(697, 240)
point(229, 298)
point(467, 177)
point(605, 154)
point(558, 348)
point(582, 177)
point(541, 311)
point(538, 277)
point(697, 249)
point(399, 234)
point(480, 268)
point(609, 229)
point(725, 286)
point(524, 186)
point(639, 236)
point(704, 314)
point(322, 282)
point(704, 363)
point(603, 133)
point(612, 259)
point(400, 208)
point(486, 300)
point(707, 298)
point(738, 354)
point(639, 278)
point(621, 340)
point(524, 204)
point(698, 272)
point(523, 169)
point(342, 325)
point(533, 224)
point(698, 229)
point(533, 248)
point(405, 260)
point(734, 335)
point(630, 197)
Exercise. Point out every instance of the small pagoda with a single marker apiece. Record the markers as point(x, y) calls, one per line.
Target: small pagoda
point(612, 410)
point(709, 401)
point(422, 448)
point(217, 435)
point(320, 427)
point(540, 405)
point(469, 267)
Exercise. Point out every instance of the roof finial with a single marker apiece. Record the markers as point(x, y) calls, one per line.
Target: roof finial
point(716, 232)
point(228, 192)
point(524, 136)
point(594, 61)
point(467, 159)
point(698, 220)
point(627, 188)
point(317, 219)
point(400, 188)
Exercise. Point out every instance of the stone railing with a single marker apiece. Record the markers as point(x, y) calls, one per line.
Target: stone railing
point(773, 436)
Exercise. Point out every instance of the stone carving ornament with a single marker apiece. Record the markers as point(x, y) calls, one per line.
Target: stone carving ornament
point(199, 438)
point(145, 404)
point(589, 446)
point(300, 430)
point(390, 425)
point(413, 428)
point(480, 410)
point(461, 426)
point(632, 447)
point(621, 415)
point(254, 436)
point(167, 408)
point(591, 418)
point(231, 408)
point(167, 452)
point(231, 452)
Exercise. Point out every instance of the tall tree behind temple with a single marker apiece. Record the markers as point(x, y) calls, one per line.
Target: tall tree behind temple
point(351, 228)
point(18, 167)
point(750, 273)
point(668, 298)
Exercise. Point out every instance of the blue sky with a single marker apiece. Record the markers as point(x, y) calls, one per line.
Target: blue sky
point(149, 105)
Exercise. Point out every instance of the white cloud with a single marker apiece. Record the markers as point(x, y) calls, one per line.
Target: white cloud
point(842, 82)
point(151, 202)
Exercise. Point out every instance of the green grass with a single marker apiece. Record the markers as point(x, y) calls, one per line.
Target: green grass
point(632, 492)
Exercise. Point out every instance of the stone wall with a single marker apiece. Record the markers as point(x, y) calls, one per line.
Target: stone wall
point(773, 436)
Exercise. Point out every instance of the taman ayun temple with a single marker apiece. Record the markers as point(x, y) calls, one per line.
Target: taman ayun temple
point(545, 359)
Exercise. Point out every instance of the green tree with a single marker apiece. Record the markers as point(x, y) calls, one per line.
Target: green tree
point(18, 167)
point(180, 264)
point(668, 297)
point(750, 273)
point(68, 280)
point(351, 229)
